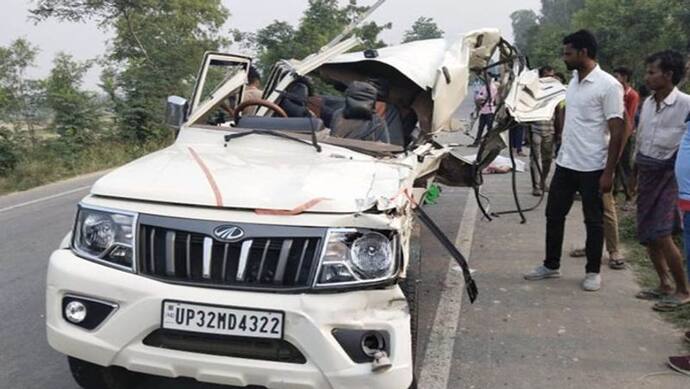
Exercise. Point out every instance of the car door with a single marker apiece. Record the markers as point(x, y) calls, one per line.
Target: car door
point(220, 83)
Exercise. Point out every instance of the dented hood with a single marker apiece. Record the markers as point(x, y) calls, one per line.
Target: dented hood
point(255, 172)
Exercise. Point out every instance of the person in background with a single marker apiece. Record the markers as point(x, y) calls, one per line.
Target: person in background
point(486, 101)
point(662, 125)
point(541, 139)
point(681, 363)
point(252, 91)
point(593, 137)
point(632, 102)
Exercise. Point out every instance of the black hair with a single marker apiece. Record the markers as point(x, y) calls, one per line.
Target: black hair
point(544, 69)
point(561, 77)
point(669, 61)
point(253, 74)
point(581, 40)
point(623, 71)
point(644, 91)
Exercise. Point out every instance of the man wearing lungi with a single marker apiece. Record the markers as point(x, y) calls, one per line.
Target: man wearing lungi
point(662, 125)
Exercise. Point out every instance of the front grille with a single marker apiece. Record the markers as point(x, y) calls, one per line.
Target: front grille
point(276, 350)
point(192, 255)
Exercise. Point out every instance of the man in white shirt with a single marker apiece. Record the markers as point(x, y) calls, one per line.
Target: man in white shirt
point(593, 136)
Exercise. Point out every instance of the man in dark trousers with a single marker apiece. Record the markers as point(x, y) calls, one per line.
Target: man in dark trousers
point(593, 137)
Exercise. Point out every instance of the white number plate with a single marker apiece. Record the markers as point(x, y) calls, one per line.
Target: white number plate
point(219, 320)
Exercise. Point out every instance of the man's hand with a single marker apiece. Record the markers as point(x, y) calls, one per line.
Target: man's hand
point(606, 182)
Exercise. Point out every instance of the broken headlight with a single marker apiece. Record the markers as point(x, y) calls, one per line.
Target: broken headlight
point(356, 256)
point(105, 236)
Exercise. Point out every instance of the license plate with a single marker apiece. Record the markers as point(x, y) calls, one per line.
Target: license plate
point(221, 320)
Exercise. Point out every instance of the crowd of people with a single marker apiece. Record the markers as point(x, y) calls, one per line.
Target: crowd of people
point(610, 139)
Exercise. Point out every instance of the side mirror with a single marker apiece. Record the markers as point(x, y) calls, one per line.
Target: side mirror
point(176, 112)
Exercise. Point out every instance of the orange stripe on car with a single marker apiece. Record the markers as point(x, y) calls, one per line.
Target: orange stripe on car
point(209, 177)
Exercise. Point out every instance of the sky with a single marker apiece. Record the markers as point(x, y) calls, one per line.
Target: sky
point(86, 41)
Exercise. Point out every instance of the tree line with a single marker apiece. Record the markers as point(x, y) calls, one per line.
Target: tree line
point(53, 127)
point(627, 30)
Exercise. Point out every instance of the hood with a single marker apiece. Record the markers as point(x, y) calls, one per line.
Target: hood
point(255, 172)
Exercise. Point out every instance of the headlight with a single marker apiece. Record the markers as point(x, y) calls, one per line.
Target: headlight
point(105, 236)
point(354, 256)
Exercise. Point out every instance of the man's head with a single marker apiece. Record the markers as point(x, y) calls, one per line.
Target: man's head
point(623, 75)
point(546, 71)
point(579, 49)
point(665, 69)
point(253, 76)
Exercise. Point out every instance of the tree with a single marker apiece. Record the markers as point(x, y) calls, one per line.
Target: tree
point(423, 28)
point(524, 21)
point(76, 113)
point(629, 30)
point(322, 21)
point(540, 37)
point(20, 97)
point(156, 51)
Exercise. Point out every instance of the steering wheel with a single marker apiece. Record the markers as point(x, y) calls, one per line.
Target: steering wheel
point(259, 103)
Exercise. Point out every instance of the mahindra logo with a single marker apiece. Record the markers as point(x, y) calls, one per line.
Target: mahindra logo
point(228, 233)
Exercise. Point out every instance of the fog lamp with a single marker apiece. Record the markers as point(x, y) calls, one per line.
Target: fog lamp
point(75, 312)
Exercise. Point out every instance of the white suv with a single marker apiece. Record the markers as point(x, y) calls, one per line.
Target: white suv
point(247, 254)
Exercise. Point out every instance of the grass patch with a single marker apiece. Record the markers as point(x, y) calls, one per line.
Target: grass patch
point(644, 270)
point(55, 161)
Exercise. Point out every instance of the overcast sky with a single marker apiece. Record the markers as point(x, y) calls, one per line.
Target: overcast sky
point(86, 41)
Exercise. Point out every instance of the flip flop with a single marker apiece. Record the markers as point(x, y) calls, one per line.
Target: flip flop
point(617, 264)
point(651, 294)
point(670, 304)
point(577, 253)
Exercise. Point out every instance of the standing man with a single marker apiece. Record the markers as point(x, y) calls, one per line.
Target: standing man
point(623, 174)
point(485, 99)
point(662, 125)
point(541, 140)
point(632, 101)
point(253, 90)
point(592, 141)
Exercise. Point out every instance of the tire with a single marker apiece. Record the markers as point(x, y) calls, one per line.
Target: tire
point(409, 288)
point(92, 376)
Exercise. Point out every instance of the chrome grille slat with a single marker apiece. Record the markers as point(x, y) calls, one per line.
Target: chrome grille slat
point(225, 261)
point(244, 255)
point(170, 253)
point(188, 250)
point(263, 259)
point(301, 260)
point(208, 254)
point(282, 261)
point(152, 246)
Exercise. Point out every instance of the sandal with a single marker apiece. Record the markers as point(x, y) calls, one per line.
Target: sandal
point(577, 253)
point(617, 264)
point(670, 304)
point(651, 294)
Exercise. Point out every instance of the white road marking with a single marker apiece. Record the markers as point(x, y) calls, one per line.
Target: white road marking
point(42, 199)
point(438, 359)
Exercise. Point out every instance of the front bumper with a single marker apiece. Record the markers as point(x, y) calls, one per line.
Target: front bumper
point(309, 321)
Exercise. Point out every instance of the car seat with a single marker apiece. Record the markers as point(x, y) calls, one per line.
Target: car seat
point(357, 119)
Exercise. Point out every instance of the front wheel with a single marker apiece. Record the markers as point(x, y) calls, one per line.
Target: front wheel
point(92, 376)
point(410, 288)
